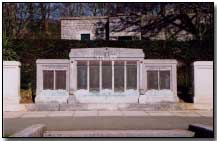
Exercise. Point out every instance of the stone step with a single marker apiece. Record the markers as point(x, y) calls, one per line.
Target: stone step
point(72, 99)
point(120, 133)
point(130, 107)
point(85, 106)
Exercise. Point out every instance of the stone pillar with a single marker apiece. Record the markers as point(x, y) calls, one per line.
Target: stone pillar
point(113, 84)
point(11, 86)
point(125, 76)
point(203, 84)
point(137, 69)
point(100, 75)
point(73, 78)
point(88, 75)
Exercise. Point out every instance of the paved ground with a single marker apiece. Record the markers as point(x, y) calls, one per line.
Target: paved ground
point(120, 133)
point(106, 120)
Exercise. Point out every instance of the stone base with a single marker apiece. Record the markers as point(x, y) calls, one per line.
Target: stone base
point(157, 98)
point(12, 103)
point(13, 107)
point(43, 107)
point(51, 99)
point(108, 99)
point(203, 102)
point(203, 106)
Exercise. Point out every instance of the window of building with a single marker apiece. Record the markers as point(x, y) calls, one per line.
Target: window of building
point(124, 38)
point(131, 75)
point(85, 37)
point(54, 83)
point(94, 75)
point(119, 76)
point(82, 75)
point(106, 75)
point(158, 79)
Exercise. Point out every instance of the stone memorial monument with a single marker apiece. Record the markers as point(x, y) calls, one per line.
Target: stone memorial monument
point(106, 75)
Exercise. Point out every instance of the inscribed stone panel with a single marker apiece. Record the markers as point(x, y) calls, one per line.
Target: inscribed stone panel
point(119, 76)
point(106, 75)
point(131, 75)
point(48, 79)
point(94, 76)
point(60, 79)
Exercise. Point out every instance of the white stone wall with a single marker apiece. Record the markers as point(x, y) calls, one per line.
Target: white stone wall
point(161, 64)
point(46, 95)
point(203, 82)
point(155, 95)
point(73, 28)
point(11, 85)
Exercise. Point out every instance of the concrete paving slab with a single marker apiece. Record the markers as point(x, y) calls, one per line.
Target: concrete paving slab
point(135, 113)
point(61, 114)
point(185, 113)
point(35, 114)
point(192, 114)
point(85, 113)
point(178, 113)
point(160, 113)
point(12, 114)
point(14, 125)
point(205, 113)
point(110, 113)
point(120, 133)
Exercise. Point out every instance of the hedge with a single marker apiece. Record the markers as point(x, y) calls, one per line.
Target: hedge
point(185, 52)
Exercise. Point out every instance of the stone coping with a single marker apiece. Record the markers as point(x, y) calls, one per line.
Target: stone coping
point(203, 63)
point(119, 52)
point(52, 61)
point(111, 113)
point(11, 63)
point(160, 61)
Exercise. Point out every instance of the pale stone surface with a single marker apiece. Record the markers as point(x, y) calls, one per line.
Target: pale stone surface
point(107, 52)
point(61, 114)
point(50, 64)
point(156, 96)
point(11, 86)
point(36, 130)
point(43, 107)
point(35, 114)
point(49, 96)
point(185, 113)
point(110, 113)
point(203, 84)
point(130, 96)
point(45, 114)
point(135, 113)
point(159, 113)
point(104, 106)
point(72, 28)
point(12, 114)
point(85, 113)
point(158, 65)
point(205, 113)
point(120, 133)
